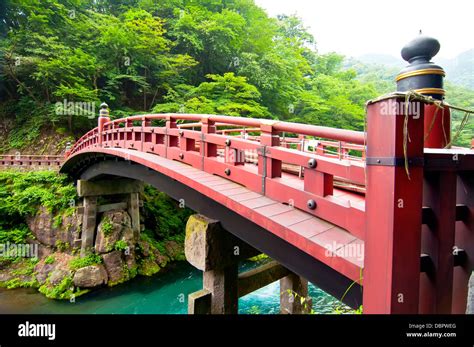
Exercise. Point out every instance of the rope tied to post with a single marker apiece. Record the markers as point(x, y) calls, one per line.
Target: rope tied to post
point(412, 95)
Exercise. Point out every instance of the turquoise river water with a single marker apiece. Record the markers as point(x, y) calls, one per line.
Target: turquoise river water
point(164, 293)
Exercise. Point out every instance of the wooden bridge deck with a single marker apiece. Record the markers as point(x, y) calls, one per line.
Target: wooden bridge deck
point(303, 230)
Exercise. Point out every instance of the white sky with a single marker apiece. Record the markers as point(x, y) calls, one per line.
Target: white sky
point(359, 27)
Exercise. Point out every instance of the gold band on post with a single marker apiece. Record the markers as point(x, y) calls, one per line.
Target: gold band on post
point(430, 91)
point(420, 72)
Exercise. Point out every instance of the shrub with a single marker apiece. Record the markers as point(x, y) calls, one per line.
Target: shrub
point(121, 245)
point(61, 246)
point(91, 259)
point(19, 234)
point(49, 259)
point(64, 290)
point(107, 227)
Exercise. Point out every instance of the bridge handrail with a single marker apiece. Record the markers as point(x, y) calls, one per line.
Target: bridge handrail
point(30, 160)
point(351, 136)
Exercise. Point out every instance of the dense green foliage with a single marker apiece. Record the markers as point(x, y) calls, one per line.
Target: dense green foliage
point(21, 194)
point(164, 217)
point(207, 56)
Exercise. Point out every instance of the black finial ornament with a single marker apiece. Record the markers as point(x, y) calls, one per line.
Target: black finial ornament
point(421, 75)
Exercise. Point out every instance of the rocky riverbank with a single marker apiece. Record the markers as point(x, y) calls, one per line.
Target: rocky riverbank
point(56, 268)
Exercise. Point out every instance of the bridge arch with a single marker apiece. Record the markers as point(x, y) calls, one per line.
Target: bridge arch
point(170, 178)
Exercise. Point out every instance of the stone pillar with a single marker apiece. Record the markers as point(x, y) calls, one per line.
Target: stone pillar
point(213, 250)
point(291, 303)
point(470, 296)
point(133, 209)
point(199, 302)
point(222, 284)
point(90, 190)
point(88, 223)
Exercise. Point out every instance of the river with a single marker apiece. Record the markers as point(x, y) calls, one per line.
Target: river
point(164, 293)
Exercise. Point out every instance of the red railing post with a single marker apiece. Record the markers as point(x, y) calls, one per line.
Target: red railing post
point(171, 140)
point(129, 136)
point(145, 124)
point(391, 277)
point(103, 118)
point(208, 127)
point(269, 137)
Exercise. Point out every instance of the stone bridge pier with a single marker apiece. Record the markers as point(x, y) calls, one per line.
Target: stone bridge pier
point(217, 253)
point(126, 193)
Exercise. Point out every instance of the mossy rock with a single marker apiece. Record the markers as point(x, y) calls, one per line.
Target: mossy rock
point(148, 267)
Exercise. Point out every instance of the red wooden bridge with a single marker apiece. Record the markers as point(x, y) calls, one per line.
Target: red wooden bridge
point(372, 217)
point(31, 161)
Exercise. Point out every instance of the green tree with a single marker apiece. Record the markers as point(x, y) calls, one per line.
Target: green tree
point(228, 94)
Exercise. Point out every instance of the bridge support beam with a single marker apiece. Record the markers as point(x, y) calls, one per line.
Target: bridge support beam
point(133, 209)
point(200, 302)
point(88, 224)
point(292, 289)
point(222, 284)
point(213, 250)
point(90, 191)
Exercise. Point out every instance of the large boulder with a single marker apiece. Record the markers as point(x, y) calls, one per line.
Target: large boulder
point(90, 276)
point(114, 226)
point(148, 267)
point(117, 270)
point(50, 233)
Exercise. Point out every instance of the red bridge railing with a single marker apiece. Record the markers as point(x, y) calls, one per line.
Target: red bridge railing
point(276, 164)
point(31, 162)
point(413, 208)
